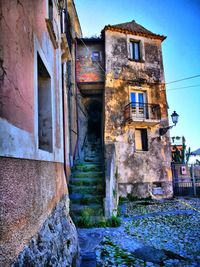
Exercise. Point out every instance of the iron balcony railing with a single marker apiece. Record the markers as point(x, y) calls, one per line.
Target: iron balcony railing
point(144, 111)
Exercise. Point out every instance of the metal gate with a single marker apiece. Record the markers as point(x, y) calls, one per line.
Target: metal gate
point(186, 180)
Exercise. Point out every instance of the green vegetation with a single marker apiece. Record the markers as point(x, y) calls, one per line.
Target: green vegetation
point(114, 221)
point(132, 199)
point(183, 155)
point(112, 255)
point(87, 219)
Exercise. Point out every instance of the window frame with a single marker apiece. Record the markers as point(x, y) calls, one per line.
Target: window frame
point(44, 91)
point(144, 140)
point(131, 50)
point(139, 109)
point(93, 57)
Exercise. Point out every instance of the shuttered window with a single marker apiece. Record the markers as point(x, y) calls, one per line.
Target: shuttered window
point(141, 140)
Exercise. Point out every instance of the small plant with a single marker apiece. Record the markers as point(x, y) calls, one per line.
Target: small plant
point(132, 198)
point(85, 219)
point(101, 223)
point(119, 211)
point(116, 173)
point(122, 199)
point(114, 193)
point(113, 222)
point(127, 229)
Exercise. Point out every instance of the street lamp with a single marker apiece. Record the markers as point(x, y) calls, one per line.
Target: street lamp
point(174, 117)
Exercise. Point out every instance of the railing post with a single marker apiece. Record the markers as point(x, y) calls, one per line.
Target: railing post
point(193, 181)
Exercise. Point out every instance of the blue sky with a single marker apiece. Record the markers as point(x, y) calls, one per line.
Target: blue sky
point(179, 20)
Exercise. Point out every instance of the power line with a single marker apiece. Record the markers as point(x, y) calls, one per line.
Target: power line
point(191, 77)
point(90, 51)
point(187, 78)
point(179, 88)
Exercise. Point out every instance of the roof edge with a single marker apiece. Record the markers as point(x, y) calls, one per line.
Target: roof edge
point(118, 29)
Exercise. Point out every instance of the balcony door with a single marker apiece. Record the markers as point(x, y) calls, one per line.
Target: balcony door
point(138, 106)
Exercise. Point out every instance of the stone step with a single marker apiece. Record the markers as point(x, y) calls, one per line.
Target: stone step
point(92, 189)
point(87, 167)
point(86, 181)
point(91, 159)
point(86, 199)
point(78, 174)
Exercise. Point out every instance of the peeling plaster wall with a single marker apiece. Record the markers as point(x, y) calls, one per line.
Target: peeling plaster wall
point(138, 171)
point(24, 34)
point(88, 70)
point(150, 68)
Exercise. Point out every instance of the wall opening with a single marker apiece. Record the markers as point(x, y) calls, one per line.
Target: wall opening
point(94, 120)
point(51, 11)
point(44, 107)
point(141, 140)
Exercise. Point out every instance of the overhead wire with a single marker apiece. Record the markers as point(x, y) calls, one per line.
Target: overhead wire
point(187, 78)
point(175, 81)
point(180, 88)
point(90, 51)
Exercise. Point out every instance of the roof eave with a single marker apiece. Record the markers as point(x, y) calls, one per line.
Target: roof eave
point(117, 29)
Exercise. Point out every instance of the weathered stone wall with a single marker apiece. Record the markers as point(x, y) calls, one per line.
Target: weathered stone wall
point(138, 171)
point(56, 244)
point(111, 182)
point(149, 68)
point(29, 191)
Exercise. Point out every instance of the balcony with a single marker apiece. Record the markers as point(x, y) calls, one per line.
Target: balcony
point(142, 114)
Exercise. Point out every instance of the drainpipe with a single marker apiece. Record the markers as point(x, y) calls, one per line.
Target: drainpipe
point(64, 130)
point(77, 115)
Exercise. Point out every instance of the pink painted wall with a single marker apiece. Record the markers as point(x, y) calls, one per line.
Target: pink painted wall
point(21, 20)
point(29, 189)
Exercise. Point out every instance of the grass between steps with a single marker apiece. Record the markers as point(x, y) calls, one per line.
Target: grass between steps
point(86, 174)
point(91, 189)
point(89, 199)
point(87, 220)
point(88, 168)
point(86, 181)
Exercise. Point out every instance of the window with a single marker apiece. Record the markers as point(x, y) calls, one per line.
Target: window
point(134, 47)
point(138, 104)
point(141, 140)
point(51, 11)
point(95, 56)
point(44, 107)
point(50, 24)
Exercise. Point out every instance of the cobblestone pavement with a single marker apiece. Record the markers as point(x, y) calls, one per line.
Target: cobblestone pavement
point(152, 233)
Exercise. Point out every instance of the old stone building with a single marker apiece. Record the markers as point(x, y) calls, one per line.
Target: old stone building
point(135, 108)
point(38, 131)
point(121, 74)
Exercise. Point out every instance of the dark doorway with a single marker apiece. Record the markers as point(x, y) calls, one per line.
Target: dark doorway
point(94, 120)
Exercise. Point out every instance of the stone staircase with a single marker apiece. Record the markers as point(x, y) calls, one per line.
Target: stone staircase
point(87, 188)
point(92, 150)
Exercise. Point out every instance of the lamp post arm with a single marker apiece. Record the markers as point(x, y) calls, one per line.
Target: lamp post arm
point(164, 130)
